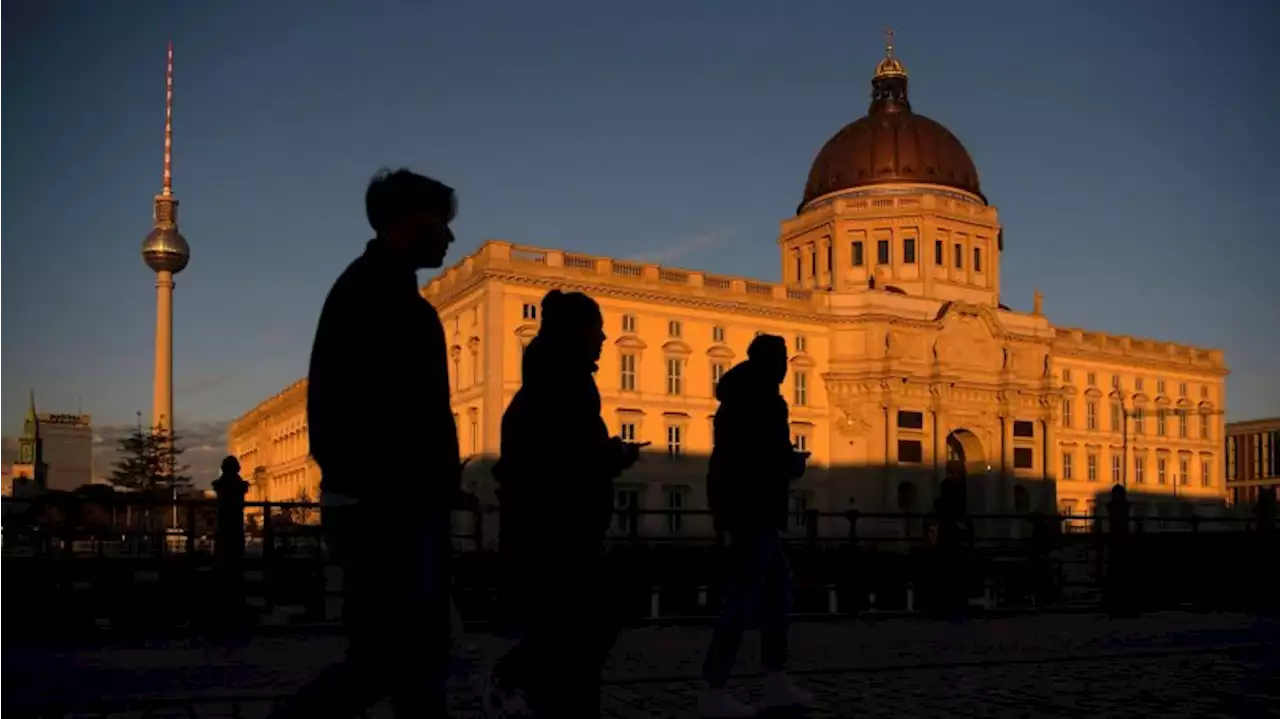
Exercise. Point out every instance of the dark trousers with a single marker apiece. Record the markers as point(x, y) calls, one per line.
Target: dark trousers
point(758, 584)
point(568, 620)
point(395, 595)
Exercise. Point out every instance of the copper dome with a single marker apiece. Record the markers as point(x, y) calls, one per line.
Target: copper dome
point(891, 144)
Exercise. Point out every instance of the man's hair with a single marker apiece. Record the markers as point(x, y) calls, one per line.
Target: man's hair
point(767, 347)
point(395, 196)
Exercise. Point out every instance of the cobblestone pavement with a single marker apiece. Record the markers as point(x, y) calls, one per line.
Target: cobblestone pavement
point(1161, 665)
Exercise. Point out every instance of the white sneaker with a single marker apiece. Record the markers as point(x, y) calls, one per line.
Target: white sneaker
point(499, 703)
point(718, 704)
point(781, 693)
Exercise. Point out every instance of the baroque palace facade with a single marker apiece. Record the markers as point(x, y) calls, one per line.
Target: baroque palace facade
point(903, 358)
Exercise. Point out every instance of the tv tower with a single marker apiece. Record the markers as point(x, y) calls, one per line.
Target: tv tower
point(166, 253)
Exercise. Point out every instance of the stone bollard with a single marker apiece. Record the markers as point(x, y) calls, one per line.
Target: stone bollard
point(1116, 592)
point(228, 543)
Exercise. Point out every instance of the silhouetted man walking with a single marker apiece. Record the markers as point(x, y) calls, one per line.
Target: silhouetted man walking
point(556, 476)
point(382, 431)
point(748, 484)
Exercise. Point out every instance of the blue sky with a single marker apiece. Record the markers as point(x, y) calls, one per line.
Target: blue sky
point(1130, 147)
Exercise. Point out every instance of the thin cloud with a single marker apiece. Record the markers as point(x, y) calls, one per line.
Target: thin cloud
point(699, 244)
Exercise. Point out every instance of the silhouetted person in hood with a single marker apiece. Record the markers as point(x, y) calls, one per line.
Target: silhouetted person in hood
point(383, 433)
point(748, 484)
point(555, 479)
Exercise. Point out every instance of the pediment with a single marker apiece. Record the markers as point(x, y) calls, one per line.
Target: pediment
point(1093, 392)
point(721, 352)
point(803, 362)
point(630, 342)
point(677, 347)
point(1162, 401)
point(526, 331)
point(968, 336)
point(1141, 398)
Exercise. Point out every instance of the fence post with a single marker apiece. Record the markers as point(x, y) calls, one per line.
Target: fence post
point(1117, 541)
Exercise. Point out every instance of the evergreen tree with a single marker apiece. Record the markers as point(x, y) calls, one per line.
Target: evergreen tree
point(149, 463)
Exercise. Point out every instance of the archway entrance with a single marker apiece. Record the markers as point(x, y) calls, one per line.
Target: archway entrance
point(966, 467)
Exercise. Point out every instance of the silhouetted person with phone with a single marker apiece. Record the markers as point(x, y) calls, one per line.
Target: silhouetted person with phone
point(383, 433)
point(555, 478)
point(753, 464)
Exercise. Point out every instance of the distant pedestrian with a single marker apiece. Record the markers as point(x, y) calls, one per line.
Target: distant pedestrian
point(753, 464)
point(555, 475)
point(382, 430)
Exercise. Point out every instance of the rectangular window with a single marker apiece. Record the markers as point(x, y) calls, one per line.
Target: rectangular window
point(717, 373)
point(813, 264)
point(829, 265)
point(1091, 415)
point(529, 311)
point(1115, 469)
point(675, 376)
point(1117, 416)
point(1066, 413)
point(625, 499)
point(1159, 386)
point(937, 252)
point(1182, 389)
point(1066, 376)
point(475, 436)
point(1184, 472)
point(977, 259)
point(882, 252)
point(910, 420)
point(675, 515)
point(799, 267)
point(1206, 475)
point(675, 440)
point(1231, 458)
point(1093, 379)
point(717, 334)
point(628, 323)
point(801, 344)
point(1139, 415)
point(1162, 467)
point(1023, 458)
point(1204, 427)
point(799, 511)
point(959, 256)
point(627, 431)
point(1024, 428)
point(1204, 392)
point(857, 254)
point(800, 442)
point(1115, 381)
point(1091, 468)
point(1137, 384)
point(1160, 422)
point(801, 386)
point(673, 329)
point(1139, 470)
point(628, 372)
point(1182, 424)
point(1067, 469)
point(909, 251)
point(911, 451)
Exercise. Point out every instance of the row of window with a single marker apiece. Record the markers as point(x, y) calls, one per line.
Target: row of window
point(1183, 476)
point(1118, 414)
point(883, 254)
point(1263, 451)
point(629, 363)
point(675, 328)
point(675, 498)
point(1138, 384)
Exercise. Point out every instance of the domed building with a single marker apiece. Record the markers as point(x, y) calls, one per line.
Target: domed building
point(905, 367)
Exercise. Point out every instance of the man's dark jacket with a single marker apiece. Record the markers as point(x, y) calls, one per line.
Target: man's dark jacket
point(378, 413)
point(752, 463)
point(558, 461)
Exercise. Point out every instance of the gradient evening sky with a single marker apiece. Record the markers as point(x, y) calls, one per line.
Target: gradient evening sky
point(1131, 148)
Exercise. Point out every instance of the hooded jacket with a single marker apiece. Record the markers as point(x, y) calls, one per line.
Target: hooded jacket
point(558, 461)
point(752, 463)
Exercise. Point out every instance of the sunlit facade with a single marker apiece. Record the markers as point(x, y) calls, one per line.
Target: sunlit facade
point(902, 355)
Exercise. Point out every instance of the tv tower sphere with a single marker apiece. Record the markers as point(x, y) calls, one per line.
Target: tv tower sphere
point(166, 250)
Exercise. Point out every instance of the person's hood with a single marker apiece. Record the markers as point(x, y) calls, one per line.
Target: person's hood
point(744, 378)
point(545, 363)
